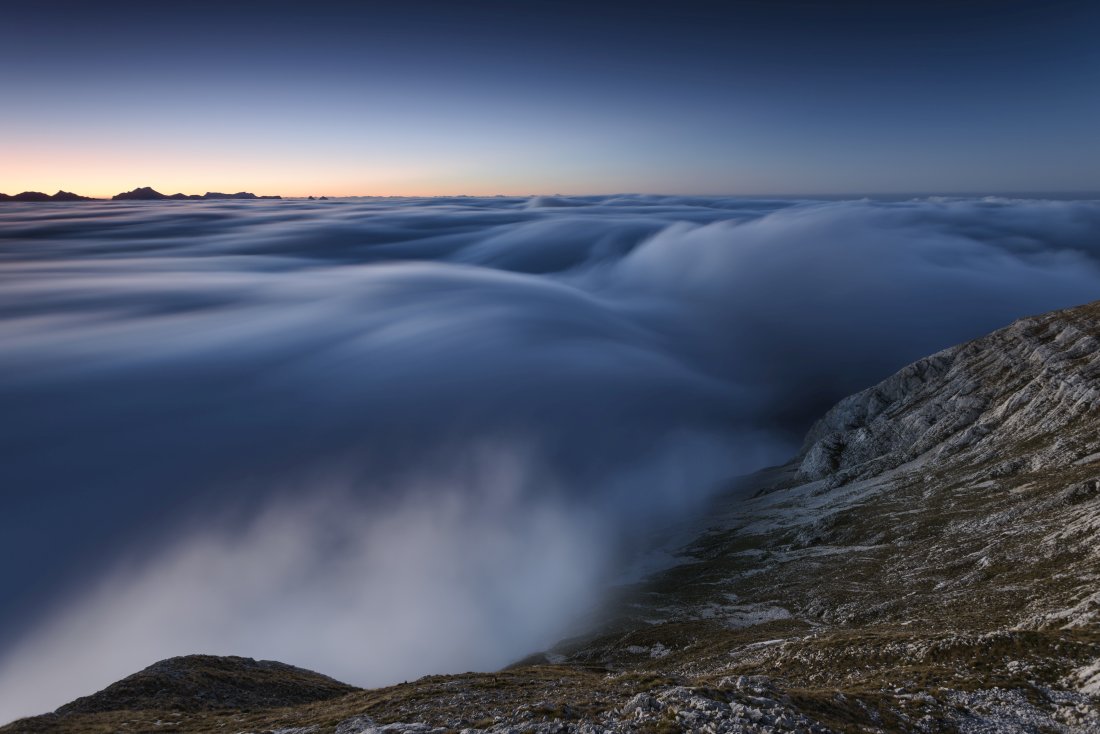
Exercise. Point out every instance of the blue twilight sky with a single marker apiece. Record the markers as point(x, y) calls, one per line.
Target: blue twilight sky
point(415, 97)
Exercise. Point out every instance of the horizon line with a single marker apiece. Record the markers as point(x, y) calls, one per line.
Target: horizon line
point(1012, 193)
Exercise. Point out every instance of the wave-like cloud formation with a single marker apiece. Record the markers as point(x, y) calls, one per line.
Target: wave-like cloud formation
point(382, 438)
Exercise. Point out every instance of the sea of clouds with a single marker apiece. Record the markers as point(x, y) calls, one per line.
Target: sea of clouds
point(382, 438)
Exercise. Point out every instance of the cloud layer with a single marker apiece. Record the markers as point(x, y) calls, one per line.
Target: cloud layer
point(382, 438)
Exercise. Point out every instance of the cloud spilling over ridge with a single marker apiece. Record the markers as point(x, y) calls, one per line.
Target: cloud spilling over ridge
point(383, 438)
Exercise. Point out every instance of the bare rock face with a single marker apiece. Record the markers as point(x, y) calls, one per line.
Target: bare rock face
point(1034, 378)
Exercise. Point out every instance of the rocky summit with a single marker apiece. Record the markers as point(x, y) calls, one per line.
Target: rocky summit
point(929, 562)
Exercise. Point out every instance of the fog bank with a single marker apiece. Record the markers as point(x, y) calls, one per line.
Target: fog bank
point(382, 438)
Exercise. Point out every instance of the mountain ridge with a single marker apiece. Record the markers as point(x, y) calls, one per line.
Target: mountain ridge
point(142, 193)
point(147, 193)
point(39, 196)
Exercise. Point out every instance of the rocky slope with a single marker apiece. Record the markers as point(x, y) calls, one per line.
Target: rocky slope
point(929, 562)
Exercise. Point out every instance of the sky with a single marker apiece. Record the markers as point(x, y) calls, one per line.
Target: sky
point(431, 98)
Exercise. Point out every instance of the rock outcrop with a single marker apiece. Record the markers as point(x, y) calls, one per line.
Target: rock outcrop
point(1036, 378)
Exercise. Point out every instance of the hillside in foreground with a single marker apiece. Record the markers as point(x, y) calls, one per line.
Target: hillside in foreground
point(930, 561)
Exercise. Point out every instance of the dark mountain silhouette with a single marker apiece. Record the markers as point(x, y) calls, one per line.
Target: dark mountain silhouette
point(219, 195)
point(39, 196)
point(146, 193)
point(143, 193)
point(70, 196)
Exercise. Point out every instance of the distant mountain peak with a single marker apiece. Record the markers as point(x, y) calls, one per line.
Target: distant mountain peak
point(39, 196)
point(147, 193)
point(142, 193)
point(63, 195)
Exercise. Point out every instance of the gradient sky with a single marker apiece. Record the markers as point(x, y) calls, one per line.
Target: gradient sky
point(429, 98)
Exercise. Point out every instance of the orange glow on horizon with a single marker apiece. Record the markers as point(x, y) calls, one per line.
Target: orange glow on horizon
point(381, 186)
point(92, 167)
point(102, 174)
